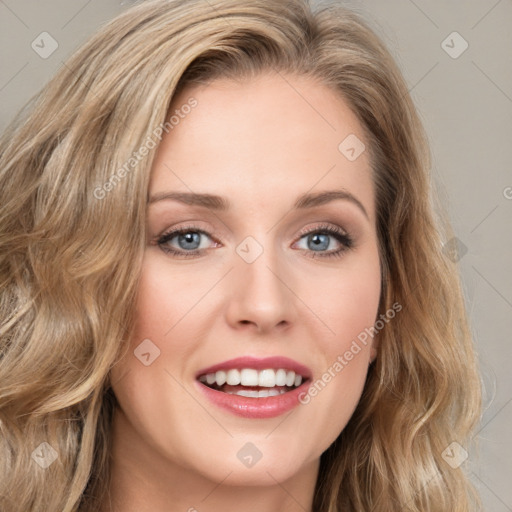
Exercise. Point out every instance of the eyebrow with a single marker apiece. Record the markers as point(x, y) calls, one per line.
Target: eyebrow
point(214, 202)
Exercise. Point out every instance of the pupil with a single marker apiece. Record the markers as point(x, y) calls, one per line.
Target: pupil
point(318, 243)
point(189, 238)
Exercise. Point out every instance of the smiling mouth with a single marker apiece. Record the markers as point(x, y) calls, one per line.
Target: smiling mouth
point(252, 383)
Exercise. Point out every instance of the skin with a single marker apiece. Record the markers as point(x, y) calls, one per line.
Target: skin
point(260, 144)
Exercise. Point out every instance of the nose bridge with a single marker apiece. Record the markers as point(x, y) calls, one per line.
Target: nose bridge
point(261, 295)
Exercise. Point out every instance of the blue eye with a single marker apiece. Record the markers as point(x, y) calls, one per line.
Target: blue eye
point(188, 240)
point(319, 239)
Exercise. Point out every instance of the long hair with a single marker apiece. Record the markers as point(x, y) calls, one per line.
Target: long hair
point(72, 236)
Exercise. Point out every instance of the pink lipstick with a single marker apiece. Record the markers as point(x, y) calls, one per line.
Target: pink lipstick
point(255, 387)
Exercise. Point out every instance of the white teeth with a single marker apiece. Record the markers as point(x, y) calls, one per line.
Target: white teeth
point(262, 393)
point(290, 378)
point(220, 377)
point(233, 377)
point(247, 392)
point(249, 377)
point(268, 378)
point(281, 377)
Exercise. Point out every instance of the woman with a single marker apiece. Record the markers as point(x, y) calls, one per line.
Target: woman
point(223, 282)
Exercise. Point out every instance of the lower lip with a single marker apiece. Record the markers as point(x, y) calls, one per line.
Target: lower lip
point(247, 407)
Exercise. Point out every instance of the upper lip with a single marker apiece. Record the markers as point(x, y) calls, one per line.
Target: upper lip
point(256, 363)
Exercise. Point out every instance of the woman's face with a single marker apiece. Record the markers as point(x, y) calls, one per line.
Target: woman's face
point(261, 277)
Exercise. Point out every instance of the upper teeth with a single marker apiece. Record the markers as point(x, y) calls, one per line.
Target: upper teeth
point(250, 377)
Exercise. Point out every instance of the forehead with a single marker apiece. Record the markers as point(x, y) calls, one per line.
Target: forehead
point(263, 139)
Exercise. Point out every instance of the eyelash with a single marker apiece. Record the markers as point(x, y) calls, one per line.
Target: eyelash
point(344, 238)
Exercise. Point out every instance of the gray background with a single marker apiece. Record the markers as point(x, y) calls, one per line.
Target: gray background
point(465, 102)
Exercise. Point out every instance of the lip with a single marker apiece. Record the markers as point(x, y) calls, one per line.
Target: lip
point(256, 363)
point(255, 408)
point(268, 407)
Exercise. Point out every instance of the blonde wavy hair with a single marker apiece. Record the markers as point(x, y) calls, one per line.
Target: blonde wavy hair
point(70, 261)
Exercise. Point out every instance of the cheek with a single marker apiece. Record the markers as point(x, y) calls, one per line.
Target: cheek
point(348, 299)
point(353, 318)
point(165, 297)
point(157, 309)
point(158, 301)
point(356, 302)
point(349, 307)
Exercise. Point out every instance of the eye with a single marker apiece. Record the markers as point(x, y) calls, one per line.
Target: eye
point(319, 239)
point(186, 242)
point(188, 239)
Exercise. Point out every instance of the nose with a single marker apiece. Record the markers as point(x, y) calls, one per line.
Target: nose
point(261, 299)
